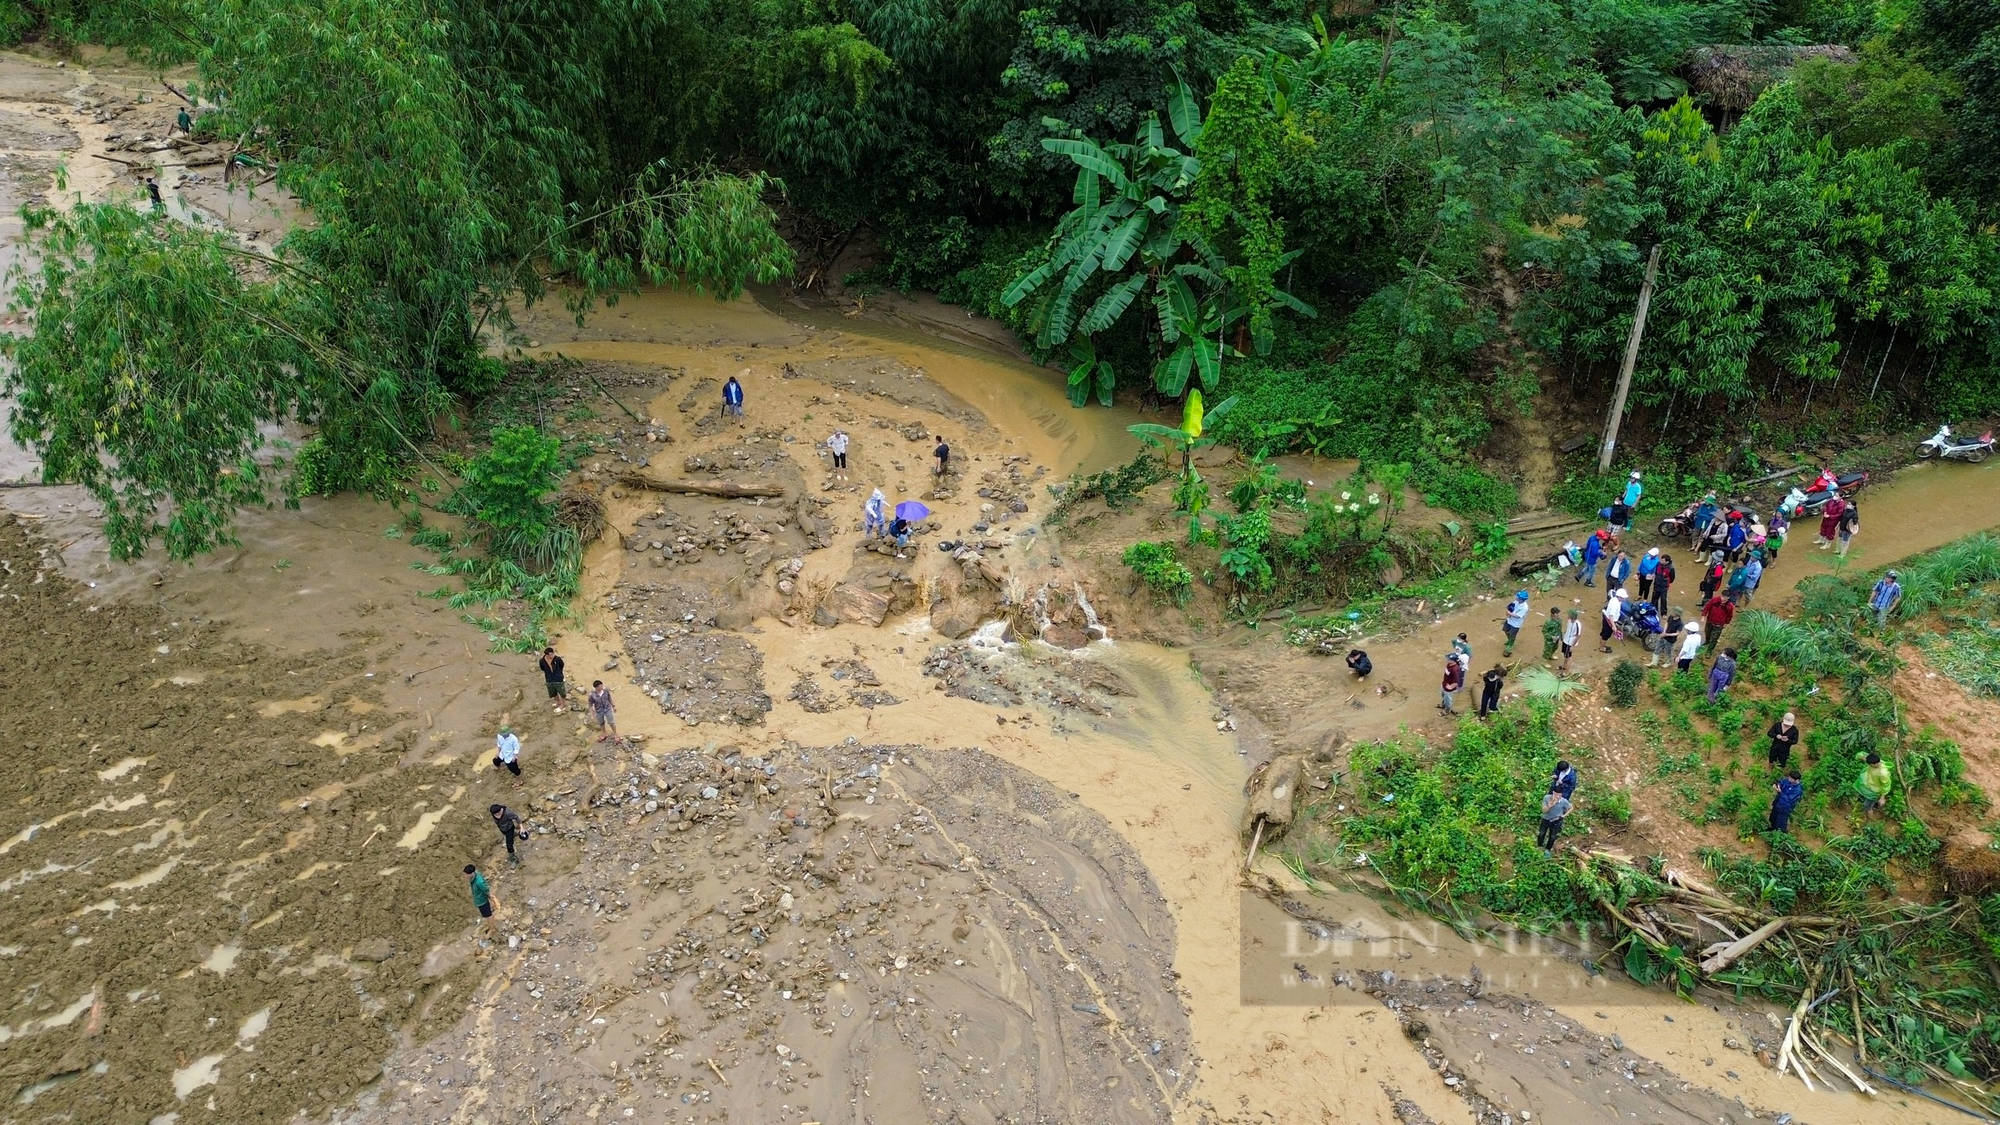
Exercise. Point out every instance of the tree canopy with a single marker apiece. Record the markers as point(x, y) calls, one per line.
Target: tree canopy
point(1461, 190)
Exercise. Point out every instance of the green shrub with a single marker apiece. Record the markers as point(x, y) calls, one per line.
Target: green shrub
point(506, 489)
point(1160, 569)
point(1624, 683)
point(1615, 805)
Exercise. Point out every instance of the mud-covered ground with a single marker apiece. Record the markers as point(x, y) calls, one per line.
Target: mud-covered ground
point(219, 881)
point(865, 933)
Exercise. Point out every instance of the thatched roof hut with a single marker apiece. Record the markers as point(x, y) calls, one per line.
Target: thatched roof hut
point(1731, 76)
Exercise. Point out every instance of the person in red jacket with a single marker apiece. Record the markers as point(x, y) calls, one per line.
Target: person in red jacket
point(1454, 679)
point(1719, 612)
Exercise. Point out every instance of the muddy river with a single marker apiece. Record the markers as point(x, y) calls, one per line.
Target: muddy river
point(847, 866)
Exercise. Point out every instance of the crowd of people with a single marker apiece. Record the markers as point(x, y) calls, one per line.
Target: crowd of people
point(1732, 549)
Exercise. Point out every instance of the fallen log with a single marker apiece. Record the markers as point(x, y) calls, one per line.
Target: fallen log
point(1736, 949)
point(722, 489)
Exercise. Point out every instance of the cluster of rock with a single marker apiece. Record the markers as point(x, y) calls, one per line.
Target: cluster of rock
point(686, 659)
point(864, 688)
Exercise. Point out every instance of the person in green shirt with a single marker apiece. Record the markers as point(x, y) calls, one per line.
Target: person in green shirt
point(1552, 633)
point(482, 894)
point(1874, 783)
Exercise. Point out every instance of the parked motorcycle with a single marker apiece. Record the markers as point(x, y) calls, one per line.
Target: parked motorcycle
point(1943, 445)
point(1808, 501)
point(1681, 524)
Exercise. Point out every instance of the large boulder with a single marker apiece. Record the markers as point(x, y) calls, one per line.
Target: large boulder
point(957, 618)
point(855, 604)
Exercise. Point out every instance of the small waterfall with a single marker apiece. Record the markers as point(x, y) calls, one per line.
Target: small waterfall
point(1091, 625)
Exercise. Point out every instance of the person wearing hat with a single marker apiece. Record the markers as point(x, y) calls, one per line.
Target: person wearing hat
point(1649, 565)
point(507, 752)
point(1517, 616)
point(1690, 645)
point(1454, 679)
point(1552, 631)
point(1704, 514)
point(1887, 596)
point(1572, 633)
point(1633, 490)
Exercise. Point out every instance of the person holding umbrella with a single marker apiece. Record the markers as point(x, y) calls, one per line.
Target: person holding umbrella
point(908, 512)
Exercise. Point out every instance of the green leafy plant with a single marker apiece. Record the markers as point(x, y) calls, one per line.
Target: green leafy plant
point(1623, 683)
point(1159, 567)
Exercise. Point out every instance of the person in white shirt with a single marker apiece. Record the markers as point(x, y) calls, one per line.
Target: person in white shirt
point(1690, 645)
point(837, 445)
point(507, 752)
point(1572, 633)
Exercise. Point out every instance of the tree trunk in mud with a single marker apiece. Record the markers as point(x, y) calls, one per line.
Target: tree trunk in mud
point(700, 488)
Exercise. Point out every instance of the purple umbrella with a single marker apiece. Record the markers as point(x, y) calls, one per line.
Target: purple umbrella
point(911, 510)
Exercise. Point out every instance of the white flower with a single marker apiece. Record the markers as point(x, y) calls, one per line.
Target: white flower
point(1374, 498)
point(1354, 507)
point(1347, 496)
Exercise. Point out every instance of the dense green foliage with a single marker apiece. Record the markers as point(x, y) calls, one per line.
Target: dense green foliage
point(1158, 194)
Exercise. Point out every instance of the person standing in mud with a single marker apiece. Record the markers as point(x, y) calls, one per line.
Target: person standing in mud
point(1454, 678)
point(943, 455)
point(1572, 633)
point(1704, 515)
point(1490, 684)
point(1552, 633)
point(1461, 647)
point(482, 895)
point(1774, 537)
point(509, 824)
point(1593, 551)
point(1753, 577)
point(837, 445)
point(732, 398)
point(1669, 639)
point(875, 515)
point(507, 752)
point(1663, 579)
point(1850, 526)
point(1517, 616)
point(1649, 569)
point(552, 678)
point(603, 711)
point(1618, 571)
point(1829, 520)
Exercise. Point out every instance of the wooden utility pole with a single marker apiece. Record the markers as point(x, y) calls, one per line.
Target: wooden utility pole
point(1631, 360)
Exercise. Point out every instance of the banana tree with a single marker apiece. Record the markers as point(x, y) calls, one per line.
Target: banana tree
point(1125, 242)
point(1190, 434)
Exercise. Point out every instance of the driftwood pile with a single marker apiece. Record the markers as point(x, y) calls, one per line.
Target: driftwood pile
point(1689, 914)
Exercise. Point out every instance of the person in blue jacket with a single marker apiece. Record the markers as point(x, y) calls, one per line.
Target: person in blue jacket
point(1593, 553)
point(732, 397)
point(1785, 796)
